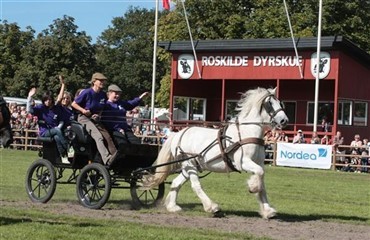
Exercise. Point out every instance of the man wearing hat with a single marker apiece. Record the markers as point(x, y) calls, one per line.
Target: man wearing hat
point(90, 103)
point(114, 115)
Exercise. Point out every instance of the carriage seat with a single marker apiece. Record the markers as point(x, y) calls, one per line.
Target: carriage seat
point(82, 135)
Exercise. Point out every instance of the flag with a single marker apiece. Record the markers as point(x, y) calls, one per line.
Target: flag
point(166, 4)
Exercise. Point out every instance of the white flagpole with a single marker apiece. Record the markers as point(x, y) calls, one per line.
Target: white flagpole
point(317, 69)
point(154, 61)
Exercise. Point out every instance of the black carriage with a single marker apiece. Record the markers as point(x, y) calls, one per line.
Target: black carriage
point(92, 178)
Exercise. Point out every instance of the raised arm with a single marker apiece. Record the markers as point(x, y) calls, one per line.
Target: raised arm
point(62, 88)
point(29, 100)
point(143, 95)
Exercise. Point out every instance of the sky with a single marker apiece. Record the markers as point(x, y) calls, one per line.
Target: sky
point(91, 16)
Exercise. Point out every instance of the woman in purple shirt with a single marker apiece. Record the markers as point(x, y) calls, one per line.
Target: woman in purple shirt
point(90, 103)
point(65, 100)
point(50, 119)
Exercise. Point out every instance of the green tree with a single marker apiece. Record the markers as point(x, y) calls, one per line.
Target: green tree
point(349, 18)
point(125, 52)
point(60, 49)
point(12, 42)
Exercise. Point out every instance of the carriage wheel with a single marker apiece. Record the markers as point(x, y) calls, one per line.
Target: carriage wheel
point(146, 198)
point(41, 181)
point(93, 186)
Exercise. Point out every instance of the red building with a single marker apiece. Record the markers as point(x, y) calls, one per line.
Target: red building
point(229, 67)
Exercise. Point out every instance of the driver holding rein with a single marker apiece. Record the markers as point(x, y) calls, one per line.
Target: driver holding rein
point(90, 103)
point(114, 115)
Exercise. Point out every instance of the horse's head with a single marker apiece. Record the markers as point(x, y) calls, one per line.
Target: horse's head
point(6, 136)
point(274, 109)
point(262, 104)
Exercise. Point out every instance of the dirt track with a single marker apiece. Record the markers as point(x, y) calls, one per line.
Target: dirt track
point(282, 227)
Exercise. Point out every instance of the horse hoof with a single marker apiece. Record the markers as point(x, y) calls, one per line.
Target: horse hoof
point(218, 214)
point(175, 208)
point(268, 214)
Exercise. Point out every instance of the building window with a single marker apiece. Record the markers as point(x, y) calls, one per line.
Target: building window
point(345, 113)
point(180, 111)
point(360, 114)
point(186, 108)
point(325, 111)
point(290, 111)
point(197, 109)
point(231, 111)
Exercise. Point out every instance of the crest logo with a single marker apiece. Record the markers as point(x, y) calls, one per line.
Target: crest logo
point(185, 66)
point(324, 66)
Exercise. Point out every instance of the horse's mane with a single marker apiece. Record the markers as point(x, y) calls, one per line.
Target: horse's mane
point(250, 99)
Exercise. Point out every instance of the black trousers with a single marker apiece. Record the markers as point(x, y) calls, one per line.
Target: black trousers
point(127, 138)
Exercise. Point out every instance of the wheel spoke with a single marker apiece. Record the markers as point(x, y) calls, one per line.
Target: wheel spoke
point(93, 186)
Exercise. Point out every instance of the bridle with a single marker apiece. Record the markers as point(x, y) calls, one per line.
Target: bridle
point(266, 104)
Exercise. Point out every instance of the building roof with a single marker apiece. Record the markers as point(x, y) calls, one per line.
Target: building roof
point(275, 44)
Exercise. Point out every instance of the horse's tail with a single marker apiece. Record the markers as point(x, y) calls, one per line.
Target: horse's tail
point(162, 172)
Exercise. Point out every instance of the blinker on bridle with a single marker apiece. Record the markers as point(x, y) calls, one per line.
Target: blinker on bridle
point(268, 107)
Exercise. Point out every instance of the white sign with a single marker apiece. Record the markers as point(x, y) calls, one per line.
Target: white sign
point(257, 61)
point(304, 155)
point(185, 66)
point(324, 66)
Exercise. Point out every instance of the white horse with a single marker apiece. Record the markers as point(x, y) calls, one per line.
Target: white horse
point(238, 146)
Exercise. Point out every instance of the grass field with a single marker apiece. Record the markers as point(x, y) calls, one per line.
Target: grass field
point(297, 194)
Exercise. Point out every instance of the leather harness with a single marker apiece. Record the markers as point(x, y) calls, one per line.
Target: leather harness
point(224, 151)
point(222, 137)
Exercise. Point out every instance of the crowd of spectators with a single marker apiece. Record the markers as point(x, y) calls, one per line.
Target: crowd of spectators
point(20, 121)
point(356, 154)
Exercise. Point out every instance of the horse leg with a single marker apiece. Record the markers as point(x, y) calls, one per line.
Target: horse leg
point(256, 185)
point(255, 182)
point(170, 202)
point(208, 204)
point(266, 211)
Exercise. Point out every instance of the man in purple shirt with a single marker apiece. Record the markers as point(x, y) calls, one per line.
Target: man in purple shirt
point(90, 103)
point(114, 115)
point(50, 119)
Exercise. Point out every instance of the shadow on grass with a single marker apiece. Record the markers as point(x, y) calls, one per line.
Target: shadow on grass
point(315, 217)
point(124, 204)
point(10, 221)
point(280, 216)
point(298, 218)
